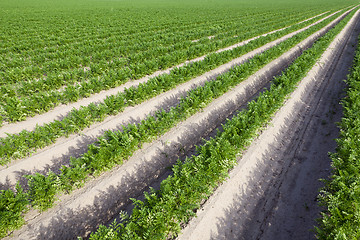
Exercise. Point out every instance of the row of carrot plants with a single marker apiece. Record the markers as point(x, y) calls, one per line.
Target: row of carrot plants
point(40, 95)
point(131, 50)
point(106, 50)
point(105, 57)
point(146, 29)
point(106, 30)
point(16, 146)
point(120, 46)
point(341, 195)
point(162, 213)
point(149, 34)
point(115, 147)
point(119, 32)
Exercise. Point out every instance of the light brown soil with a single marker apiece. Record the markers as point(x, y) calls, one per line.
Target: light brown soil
point(102, 198)
point(272, 193)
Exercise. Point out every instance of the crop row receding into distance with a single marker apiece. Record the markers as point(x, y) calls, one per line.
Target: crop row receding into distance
point(286, 43)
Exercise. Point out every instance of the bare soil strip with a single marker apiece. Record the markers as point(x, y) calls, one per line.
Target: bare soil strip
point(103, 197)
point(53, 157)
point(272, 193)
point(62, 110)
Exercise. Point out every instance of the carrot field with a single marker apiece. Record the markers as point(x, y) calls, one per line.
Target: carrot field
point(135, 119)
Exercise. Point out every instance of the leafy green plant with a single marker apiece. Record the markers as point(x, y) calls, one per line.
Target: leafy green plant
point(42, 190)
point(12, 207)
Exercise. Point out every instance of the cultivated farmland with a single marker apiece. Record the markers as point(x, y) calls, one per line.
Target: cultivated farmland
point(192, 120)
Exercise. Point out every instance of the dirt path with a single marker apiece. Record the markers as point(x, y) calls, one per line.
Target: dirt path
point(53, 157)
point(102, 198)
point(272, 193)
point(62, 110)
